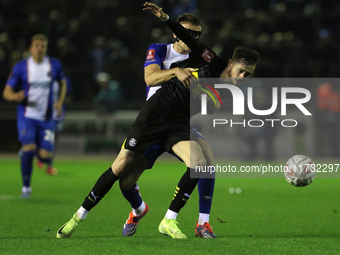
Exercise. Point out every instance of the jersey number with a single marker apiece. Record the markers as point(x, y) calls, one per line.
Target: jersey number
point(49, 136)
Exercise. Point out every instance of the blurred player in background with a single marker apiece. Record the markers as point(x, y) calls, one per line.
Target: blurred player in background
point(58, 121)
point(328, 119)
point(110, 94)
point(31, 85)
point(157, 70)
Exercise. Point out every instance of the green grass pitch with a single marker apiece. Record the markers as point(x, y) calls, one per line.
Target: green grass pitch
point(269, 217)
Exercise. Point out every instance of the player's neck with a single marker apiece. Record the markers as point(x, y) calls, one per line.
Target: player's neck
point(38, 60)
point(179, 49)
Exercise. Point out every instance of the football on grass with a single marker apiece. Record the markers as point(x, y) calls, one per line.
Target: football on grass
point(299, 171)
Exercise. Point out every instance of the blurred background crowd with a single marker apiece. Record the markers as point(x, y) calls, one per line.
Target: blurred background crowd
point(296, 38)
point(102, 43)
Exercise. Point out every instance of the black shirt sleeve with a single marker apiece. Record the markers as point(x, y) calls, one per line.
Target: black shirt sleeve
point(182, 34)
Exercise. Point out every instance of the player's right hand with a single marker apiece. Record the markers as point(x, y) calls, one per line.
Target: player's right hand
point(185, 76)
point(19, 96)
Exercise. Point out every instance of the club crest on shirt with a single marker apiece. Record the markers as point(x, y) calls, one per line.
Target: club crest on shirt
point(207, 55)
point(132, 142)
point(150, 55)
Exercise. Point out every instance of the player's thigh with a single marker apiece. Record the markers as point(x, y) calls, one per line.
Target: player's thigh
point(152, 153)
point(124, 161)
point(206, 151)
point(190, 152)
point(130, 178)
point(27, 130)
point(204, 145)
point(45, 137)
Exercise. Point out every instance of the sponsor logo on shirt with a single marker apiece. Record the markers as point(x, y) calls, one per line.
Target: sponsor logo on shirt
point(207, 55)
point(132, 142)
point(40, 85)
point(150, 55)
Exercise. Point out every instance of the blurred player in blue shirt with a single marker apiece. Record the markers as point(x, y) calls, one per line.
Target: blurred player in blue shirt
point(31, 85)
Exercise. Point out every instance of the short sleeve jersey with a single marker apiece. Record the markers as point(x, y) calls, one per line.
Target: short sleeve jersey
point(163, 55)
point(36, 79)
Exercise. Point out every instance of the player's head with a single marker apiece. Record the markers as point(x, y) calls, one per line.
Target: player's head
point(38, 47)
point(103, 80)
point(242, 64)
point(191, 23)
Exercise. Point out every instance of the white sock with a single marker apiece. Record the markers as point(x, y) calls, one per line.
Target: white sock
point(82, 212)
point(202, 218)
point(171, 215)
point(139, 210)
point(26, 189)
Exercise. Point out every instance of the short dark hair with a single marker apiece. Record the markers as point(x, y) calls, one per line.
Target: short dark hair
point(187, 17)
point(250, 57)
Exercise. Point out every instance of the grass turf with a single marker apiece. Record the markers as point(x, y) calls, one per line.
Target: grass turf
point(269, 216)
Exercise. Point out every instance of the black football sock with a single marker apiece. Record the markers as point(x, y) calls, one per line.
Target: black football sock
point(183, 191)
point(99, 190)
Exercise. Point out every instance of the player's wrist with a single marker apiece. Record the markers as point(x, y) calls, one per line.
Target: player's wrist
point(16, 98)
point(165, 17)
point(176, 71)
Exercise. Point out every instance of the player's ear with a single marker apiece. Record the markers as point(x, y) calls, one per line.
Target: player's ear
point(230, 62)
point(174, 35)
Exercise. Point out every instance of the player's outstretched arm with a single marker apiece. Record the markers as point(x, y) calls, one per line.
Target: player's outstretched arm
point(176, 28)
point(9, 95)
point(156, 10)
point(153, 75)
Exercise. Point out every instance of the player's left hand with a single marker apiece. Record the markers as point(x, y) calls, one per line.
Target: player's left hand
point(58, 107)
point(156, 10)
point(185, 76)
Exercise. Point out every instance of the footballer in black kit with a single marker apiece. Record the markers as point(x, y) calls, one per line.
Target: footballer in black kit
point(165, 117)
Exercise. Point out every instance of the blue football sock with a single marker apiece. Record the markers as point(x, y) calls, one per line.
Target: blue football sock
point(206, 192)
point(27, 167)
point(132, 195)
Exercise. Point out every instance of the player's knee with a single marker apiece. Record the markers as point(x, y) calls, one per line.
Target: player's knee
point(29, 147)
point(199, 162)
point(45, 154)
point(122, 164)
point(209, 159)
point(126, 183)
